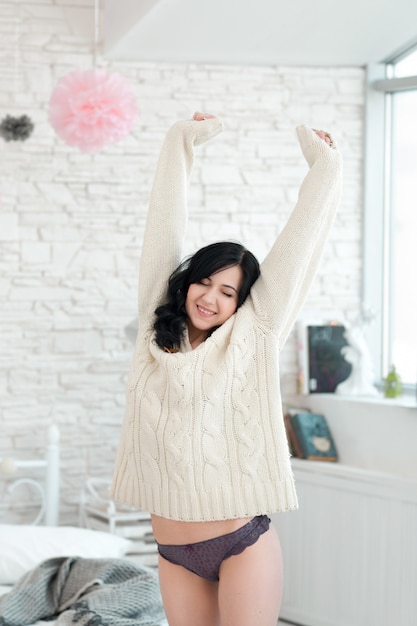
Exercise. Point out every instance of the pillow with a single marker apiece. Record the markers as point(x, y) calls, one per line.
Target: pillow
point(23, 547)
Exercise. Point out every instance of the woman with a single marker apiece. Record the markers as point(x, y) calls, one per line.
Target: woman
point(203, 446)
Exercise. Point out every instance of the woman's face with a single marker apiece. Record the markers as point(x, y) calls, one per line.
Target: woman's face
point(214, 299)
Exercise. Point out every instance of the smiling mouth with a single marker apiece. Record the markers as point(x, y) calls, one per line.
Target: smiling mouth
point(205, 312)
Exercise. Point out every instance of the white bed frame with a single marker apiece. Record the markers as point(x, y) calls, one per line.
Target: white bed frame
point(48, 488)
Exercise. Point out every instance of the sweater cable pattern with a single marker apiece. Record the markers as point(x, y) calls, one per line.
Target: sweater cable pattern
point(203, 436)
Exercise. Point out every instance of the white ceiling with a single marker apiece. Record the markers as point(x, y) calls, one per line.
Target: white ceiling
point(260, 32)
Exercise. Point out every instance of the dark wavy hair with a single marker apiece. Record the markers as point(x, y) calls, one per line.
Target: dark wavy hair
point(171, 317)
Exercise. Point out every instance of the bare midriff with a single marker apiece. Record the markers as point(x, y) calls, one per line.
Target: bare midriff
point(173, 532)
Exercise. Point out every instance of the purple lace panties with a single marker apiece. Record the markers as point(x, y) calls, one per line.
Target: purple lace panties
point(205, 557)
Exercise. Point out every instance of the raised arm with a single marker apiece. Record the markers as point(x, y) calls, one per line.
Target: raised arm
point(289, 269)
point(167, 214)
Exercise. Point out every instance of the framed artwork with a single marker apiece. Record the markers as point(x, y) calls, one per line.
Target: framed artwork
point(322, 365)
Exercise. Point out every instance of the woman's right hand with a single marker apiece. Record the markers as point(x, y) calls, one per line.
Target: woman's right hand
point(199, 117)
point(197, 133)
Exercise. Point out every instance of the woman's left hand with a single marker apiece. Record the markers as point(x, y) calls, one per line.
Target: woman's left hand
point(324, 135)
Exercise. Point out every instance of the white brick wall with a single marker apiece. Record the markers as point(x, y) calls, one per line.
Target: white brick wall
point(71, 224)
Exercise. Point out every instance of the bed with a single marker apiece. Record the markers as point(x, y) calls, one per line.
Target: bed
point(61, 575)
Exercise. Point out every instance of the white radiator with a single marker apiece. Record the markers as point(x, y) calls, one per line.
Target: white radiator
point(350, 552)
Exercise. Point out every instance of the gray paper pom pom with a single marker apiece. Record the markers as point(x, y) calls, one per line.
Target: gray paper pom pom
point(16, 128)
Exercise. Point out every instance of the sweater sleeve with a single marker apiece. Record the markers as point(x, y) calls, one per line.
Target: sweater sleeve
point(167, 214)
point(288, 270)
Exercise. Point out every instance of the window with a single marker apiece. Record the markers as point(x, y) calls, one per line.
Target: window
point(406, 65)
point(390, 233)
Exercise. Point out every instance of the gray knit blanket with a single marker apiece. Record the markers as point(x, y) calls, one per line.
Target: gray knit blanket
point(86, 592)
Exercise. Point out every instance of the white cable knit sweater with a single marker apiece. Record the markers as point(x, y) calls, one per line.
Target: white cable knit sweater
point(203, 437)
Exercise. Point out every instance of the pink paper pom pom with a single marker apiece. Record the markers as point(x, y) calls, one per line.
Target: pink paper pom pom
point(92, 109)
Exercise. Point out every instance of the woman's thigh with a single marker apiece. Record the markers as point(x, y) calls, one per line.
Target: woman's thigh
point(189, 600)
point(250, 587)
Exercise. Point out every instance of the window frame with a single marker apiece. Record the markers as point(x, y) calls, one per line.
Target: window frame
point(380, 85)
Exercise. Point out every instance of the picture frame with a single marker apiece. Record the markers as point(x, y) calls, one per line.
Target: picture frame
point(321, 364)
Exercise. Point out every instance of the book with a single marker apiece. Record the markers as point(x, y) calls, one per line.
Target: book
point(314, 437)
point(293, 443)
point(327, 367)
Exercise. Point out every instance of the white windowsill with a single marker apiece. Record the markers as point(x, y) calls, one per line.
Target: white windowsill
point(406, 400)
